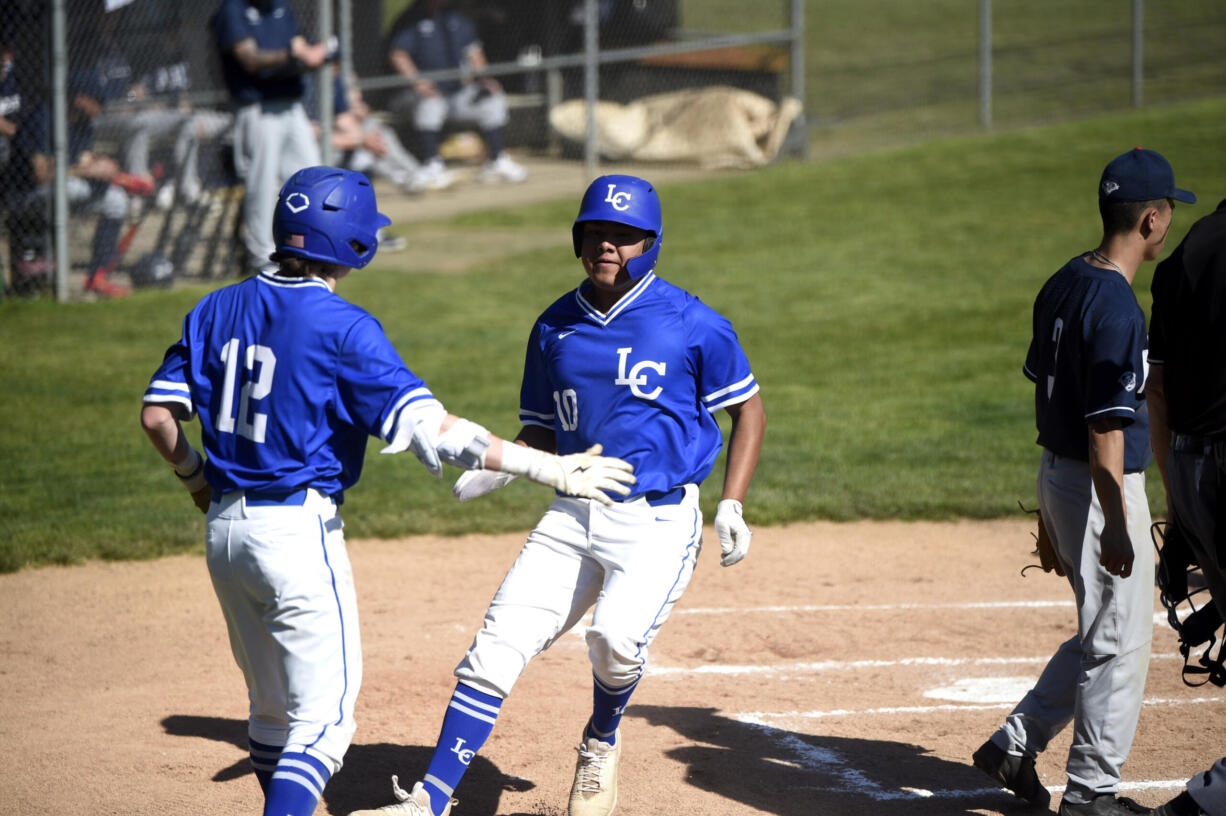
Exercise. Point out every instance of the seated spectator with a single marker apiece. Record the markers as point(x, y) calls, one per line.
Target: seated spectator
point(362, 141)
point(148, 107)
point(349, 135)
point(441, 38)
point(372, 147)
point(96, 185)
point(10, 100)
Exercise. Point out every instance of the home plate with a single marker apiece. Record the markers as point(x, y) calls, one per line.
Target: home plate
point(984, 690)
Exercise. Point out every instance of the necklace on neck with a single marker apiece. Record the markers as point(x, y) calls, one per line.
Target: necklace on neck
point(1101, 258)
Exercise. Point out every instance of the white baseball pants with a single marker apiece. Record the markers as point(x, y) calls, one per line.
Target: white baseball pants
point(632, 560)
point(282, 576)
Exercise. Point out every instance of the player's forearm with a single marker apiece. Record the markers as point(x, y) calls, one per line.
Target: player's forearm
point(744, 446)
point(161, 425)
point(1107, 468)
point(402, 63)
point(1159, 430)
point(266, 61)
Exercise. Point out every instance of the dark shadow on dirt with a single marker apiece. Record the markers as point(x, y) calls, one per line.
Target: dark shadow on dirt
point(787, 773)
point(365, 781)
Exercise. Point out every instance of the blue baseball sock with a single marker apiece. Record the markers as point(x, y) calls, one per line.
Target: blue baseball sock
point(608, 706)
point(296, 785)
point(263, 761)
point(470, 718)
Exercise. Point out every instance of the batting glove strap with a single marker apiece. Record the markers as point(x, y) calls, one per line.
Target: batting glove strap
point(190, 471)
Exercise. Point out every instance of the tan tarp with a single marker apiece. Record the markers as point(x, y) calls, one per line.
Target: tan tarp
point(715, 127)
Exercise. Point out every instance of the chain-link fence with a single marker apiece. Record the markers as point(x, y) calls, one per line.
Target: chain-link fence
point(138, 88)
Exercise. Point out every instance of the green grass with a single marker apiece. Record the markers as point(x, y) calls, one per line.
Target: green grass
point(883, 299)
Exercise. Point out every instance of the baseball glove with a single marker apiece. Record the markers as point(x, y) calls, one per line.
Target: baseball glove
point(1044, 548)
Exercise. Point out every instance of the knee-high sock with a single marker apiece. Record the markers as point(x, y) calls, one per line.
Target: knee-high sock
point(470, 718)
point(608, 706)
point(263, 761)
point(296, 785)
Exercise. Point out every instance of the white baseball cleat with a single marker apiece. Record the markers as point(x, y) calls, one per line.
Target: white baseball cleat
point(595, 790)
point(433, 175)
point(503, 168)
point(414, 803)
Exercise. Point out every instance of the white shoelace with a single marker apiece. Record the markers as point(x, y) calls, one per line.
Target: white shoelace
point(591, 765)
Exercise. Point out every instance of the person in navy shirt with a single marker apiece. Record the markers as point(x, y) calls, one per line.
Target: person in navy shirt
point(642, 366)
point(95, 182)
point(1087, 360)
point(263, 57)
point(441, 38)
point(288, 381)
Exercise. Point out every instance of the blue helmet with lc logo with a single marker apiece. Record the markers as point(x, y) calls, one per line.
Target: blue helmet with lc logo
point(627, 200)
point(327, 214)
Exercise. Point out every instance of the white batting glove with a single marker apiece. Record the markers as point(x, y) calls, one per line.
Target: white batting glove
point(586, 475)
point(734, 534)
point(474, 483)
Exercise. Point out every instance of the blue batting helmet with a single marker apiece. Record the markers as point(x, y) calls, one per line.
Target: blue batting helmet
point(327, 214)
point(626, 200)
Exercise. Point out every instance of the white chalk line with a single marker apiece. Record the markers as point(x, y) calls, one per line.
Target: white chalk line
point(1160, 618)
point(854, 781)
point(756, 716)
point(872, 607)
point(845, 665)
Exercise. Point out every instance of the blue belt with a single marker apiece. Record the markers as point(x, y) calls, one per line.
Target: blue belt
point(660, 497)
point(271, 498)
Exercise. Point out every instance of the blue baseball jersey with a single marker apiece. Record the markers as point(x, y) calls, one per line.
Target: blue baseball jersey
point(643, 380)
point(1087, 361)
point(438, 43)
point(272, 30)
point(289, 380)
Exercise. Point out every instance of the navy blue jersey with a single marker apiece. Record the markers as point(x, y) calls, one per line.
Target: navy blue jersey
point(1087, 361)
point(272, 30)
point(643, 380)
point(289, 380)
point(10, 97)
point(438, 43)
point(34, 138)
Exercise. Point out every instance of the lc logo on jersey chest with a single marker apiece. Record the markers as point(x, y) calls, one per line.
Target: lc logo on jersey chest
point(636, 378)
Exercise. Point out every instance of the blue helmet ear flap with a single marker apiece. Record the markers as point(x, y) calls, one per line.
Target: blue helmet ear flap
point(330, 215)
point(627, 200)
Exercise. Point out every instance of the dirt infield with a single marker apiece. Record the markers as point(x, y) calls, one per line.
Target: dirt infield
point(841, 669)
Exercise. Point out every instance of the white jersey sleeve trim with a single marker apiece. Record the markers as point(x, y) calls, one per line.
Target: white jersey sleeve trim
point(1109, 410)
point(527, 417)
point(735, 386)
point(1030, 375)
point(164, 391)
point(741, 397)
point(159, 399)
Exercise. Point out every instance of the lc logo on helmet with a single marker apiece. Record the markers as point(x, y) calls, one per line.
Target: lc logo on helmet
point(620, 201)
point(297, 202)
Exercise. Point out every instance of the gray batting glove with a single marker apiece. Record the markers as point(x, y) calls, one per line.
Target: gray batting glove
point(474, 483)
point(734, 534)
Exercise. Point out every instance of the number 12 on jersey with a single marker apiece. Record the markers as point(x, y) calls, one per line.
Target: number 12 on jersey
point(253, 388)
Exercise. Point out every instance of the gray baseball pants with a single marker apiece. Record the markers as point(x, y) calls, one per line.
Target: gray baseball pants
point(1096, 679)
point(272, 141)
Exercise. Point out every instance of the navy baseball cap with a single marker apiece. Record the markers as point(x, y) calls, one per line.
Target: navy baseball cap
point(1141, 175)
